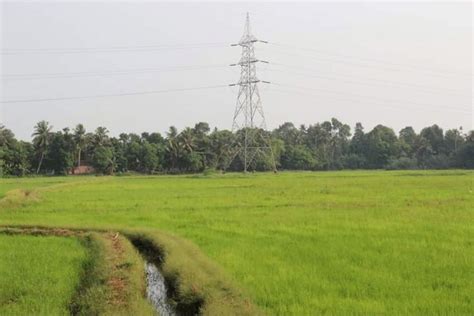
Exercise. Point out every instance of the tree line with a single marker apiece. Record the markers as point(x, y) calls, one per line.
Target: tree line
point(329, 145)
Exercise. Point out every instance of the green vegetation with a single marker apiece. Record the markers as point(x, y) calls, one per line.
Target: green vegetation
point(112, 281)
point(396, 242)
point(28, 184)
point(197, 285)
point(38, 275)
point(103, 274)
point(322, 146)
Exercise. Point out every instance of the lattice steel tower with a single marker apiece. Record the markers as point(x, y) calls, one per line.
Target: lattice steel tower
point(249, 120)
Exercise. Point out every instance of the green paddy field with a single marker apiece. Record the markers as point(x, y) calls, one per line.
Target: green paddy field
point(38, 275)
point(292, 243)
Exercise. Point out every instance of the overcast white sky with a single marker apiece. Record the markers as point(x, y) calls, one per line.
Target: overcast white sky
point(398, 64)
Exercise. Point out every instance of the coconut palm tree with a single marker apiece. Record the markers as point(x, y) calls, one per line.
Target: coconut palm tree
point(101, 137)
point(6, 136)
point(186, 140)
point(172, 146)
point(42, 136)
point(80, 141)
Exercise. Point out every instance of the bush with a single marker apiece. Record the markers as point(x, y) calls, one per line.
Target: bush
point(210, 171)
point(440, 161)
point(402, 163)
point(103, 160)
point(354, 161)
point(298, 158)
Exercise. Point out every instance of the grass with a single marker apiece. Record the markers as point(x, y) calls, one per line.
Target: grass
point(38, 274)
point(112, 282)
point(28, 184)
point(296, 243)
point(196, 284)
point(109, 277)
point(126, 278)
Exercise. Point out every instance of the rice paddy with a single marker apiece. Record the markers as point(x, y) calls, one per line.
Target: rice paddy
point(296, 243)
point(38, 274)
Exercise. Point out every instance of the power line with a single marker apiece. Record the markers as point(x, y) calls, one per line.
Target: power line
point(375, 82)
point(365, 65)
point(117, 47)
point(331, 54)
point(345, 98)
point(379, 82)
point(312, 70)
point(106, 73)
point(113, 95)
point(23, 51)
point(428, 106)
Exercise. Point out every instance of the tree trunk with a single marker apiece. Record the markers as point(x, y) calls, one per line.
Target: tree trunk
point(79, 158)
point(40, 162)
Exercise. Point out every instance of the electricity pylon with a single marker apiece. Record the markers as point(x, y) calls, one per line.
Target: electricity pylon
point(249, 118)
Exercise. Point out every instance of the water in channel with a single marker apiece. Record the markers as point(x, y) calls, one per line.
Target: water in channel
point(156, 290)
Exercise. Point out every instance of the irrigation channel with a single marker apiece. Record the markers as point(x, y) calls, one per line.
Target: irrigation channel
point(156, 290)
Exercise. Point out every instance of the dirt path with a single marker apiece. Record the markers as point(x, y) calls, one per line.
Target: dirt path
point(117, 281)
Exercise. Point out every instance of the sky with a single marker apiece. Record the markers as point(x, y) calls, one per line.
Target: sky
point(397, 64)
